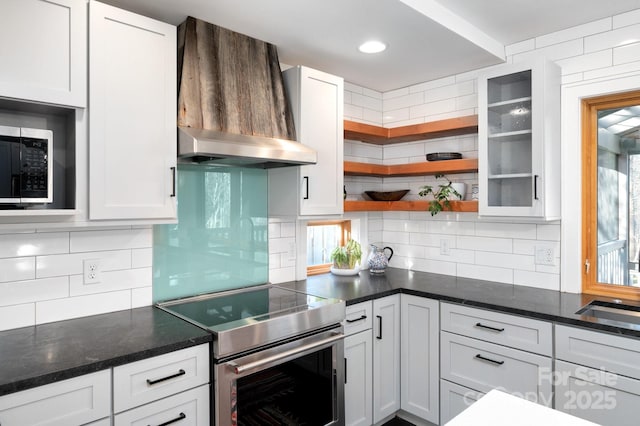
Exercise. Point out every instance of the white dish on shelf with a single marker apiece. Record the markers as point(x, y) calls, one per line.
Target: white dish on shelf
point(345, 272)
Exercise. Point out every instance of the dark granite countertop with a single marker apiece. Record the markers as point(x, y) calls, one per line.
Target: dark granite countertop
point(528, 301)
point(42, 354)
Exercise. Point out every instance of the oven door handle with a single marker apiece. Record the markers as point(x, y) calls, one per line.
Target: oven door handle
point(241, 368)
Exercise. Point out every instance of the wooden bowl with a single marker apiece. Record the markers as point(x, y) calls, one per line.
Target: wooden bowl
point(387, 196)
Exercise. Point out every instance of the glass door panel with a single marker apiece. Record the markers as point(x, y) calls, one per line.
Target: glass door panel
point(511, 191)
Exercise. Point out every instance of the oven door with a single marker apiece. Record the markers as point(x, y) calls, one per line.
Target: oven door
point(299, 382)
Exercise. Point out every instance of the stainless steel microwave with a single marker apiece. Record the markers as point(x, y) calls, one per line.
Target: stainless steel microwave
point(26, 165)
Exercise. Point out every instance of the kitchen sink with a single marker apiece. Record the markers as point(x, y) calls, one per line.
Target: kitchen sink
point(618, 314)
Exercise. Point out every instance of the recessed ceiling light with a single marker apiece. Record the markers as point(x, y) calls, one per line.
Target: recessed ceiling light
point(372, 46)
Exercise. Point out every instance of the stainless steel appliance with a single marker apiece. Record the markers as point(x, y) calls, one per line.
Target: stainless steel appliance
point(26, 165)
point(278, 355)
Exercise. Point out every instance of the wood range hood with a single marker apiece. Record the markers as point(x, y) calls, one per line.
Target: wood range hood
point(232, 105)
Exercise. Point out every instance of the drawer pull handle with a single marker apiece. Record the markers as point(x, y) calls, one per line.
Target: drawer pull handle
point(357, 319)
point(499, 330)
point(493, 361)
point(379, 336)
point(177, 419)
point(173, 376)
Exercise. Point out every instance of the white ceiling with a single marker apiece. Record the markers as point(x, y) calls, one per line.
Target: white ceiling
point(427, 39)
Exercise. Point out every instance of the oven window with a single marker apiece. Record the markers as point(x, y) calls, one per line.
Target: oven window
point(299, 392)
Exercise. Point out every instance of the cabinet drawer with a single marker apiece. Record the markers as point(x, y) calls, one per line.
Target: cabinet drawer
point(598, 350)
point(597, 396)
point(504, 329)
point(485, 366)
point(70, 402)
point(158, 377)
point(454, 399)
point(188, 408)
point(358, 318)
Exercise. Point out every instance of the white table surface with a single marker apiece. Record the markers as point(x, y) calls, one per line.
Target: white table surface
point(498, 408)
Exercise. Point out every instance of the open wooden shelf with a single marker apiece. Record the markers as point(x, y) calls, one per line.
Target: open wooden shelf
point(371, 206)
point(435, 129)
point(465, 165)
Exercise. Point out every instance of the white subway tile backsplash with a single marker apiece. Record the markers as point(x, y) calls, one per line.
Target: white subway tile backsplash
point(288, 229)
point(404, 150)
point(110, 239)
point(576, 32)
point(20, 292)
point(17, 268)
point(513, 261)
point(626, 53)
point(467, 102)
point(428, 265)
point(17, 316)
point(394, 94)
point(394, 237)
point(548, 232)
point(73, 307)
point(610, 39)
point(73, 263)
point(353, 88)
point(367, 102)
point(433, 108)
point(590, 61)
point(371, 93)
point(353, 112)
point(111, 281)
point(372, 116)
point(537, 279)
point(507, 230)
point(554, 52)
point(282, 275)
point(405, 101)
point(520, 47)
point(432, 84)
point(141, 297)
point(32, 244)
point(489, 273)
point(498, 245)
point(625, 19)
point(142, 258)
point(572, 78)
point(395, 116)
point(628, 68)
point(280, 245)
point(451, 91)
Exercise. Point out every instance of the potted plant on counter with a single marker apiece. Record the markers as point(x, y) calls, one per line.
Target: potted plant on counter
point(346, 259)
point(442, 194)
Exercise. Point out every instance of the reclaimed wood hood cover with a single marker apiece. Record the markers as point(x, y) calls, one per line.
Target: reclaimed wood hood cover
point(232, 105)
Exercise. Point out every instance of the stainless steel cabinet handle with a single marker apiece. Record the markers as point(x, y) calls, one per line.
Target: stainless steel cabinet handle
point(239, 369)
point(493, 361)
point(173, 180)
point(363, 317)
point(181, 372)
point(379, 336)
point(480, 325)
point(177, 419)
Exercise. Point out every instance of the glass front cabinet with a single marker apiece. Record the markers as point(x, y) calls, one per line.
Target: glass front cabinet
point(519, 140)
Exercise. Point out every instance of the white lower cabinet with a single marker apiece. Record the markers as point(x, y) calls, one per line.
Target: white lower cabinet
point(358, 386)
point(187, 408)
point(386, 357)
point(597, 376)
point(455, 399)
point(419, 357)
point(75, 401)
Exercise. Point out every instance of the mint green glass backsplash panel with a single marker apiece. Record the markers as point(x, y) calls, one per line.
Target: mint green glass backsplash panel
point(220, 241)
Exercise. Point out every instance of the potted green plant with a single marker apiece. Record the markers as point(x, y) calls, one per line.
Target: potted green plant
point(442, 194)
point(346, 259)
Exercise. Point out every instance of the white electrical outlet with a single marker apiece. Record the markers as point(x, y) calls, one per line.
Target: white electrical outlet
point(545, 256)
point(444, 247)
point(92, 272)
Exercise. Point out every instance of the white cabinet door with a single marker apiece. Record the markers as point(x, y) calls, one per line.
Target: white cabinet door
point(132, 136)
point(420, 352)
point(43, 45)
point(519, 140)
point(386, 356)
point(596, 395)
point(358, 386)
point(75, 401)
point(317, 103)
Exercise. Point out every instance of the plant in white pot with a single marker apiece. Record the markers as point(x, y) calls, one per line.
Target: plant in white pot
point(346, 259)
point(442, 194)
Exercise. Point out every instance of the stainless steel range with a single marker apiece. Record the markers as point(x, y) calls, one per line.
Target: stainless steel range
point(278, 355)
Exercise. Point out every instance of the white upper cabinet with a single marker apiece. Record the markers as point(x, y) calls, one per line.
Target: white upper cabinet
point(316, 100)
point(132, 121)
point(519, 140)
point(43, 45)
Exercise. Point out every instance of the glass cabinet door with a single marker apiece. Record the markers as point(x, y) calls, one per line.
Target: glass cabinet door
point(519, 140)
point(509, 139)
